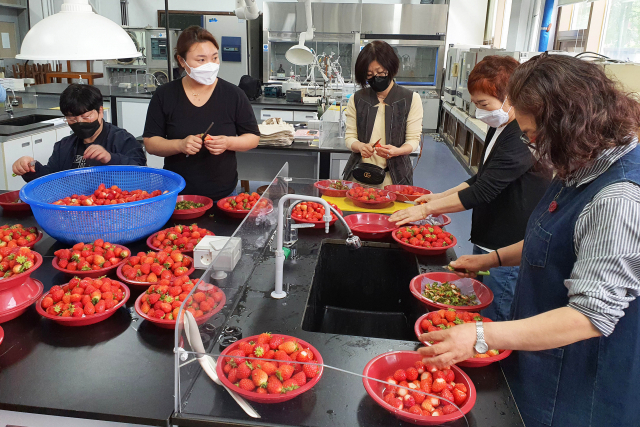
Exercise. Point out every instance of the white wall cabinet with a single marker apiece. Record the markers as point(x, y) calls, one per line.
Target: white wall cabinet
point(43, 145)
point(12, 151)
point(62, 132)
point(304, 116)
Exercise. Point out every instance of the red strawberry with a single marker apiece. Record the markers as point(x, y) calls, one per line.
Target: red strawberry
point(396, 403)
point(232, 377)
point(459, 397)
point(408, 401)
point(440, 374)
point(438, 385)
point(89, 309)
point(449, 375)
point(246, 384)
point(100, 307)
point(269, 354)
point(274, 385)
point(450, 315)
point(77, 312)
point(281, 356)
point(284, 372)
point(259, 377)
point(275, 341)
point(246, 347)
point(260, 349)
point(57, 295)
point(446, 394)
point(461, 387)
point(419, 365)
point(300, 378)
point(305, 355)
point(415, 410)
point(427, 407)
point(244, 370)
point(264, 338)
point(269, 367)
point(233, 360)
point(400, 375)
point(288, 347)
point(448, 409)
point(412, 374)
point(418, 397)
point(290, 385)
point(310, 370)
point(47, 302)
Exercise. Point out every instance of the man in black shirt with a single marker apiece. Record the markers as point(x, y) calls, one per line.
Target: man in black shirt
point(94, 142)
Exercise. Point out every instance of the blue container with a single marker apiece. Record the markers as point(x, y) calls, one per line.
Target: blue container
point(122, 223)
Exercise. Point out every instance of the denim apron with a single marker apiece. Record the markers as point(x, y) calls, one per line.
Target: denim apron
point(593, 382)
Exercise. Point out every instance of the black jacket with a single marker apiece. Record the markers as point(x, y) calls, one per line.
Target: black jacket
point(504, 192)
point(122, 146)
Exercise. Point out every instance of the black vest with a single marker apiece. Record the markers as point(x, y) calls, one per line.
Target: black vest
point(397, 110)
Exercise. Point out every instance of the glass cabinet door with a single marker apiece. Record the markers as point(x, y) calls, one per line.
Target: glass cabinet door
point(418, 64)
point(280, 68)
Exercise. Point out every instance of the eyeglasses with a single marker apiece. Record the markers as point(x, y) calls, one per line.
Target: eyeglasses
point(527, 141)
point(86, 117)
point(382, 74)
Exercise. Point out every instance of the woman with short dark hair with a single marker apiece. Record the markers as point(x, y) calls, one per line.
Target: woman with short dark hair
point(94, 141)
point(384, 120)
point(504, 191)
point(576, 314)
point(182, 110)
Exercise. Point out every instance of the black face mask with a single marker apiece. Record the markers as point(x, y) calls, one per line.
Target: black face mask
point(379, 83)
point(85, 130)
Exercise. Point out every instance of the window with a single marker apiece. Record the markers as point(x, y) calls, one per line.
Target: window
point(580, 16)
point(621, 35)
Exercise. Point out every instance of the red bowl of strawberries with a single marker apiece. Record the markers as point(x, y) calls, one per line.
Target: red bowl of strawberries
point(90, 259)
point(334, 187)
point(239, 206)
point(180, 237)
point(160, 304)
point(483, 294)
point(84, 301)
point(406, 369)
point(17, 265)
point(407, 192)
point(19, 236)
point(162, 268)
point(431, 322)
point(371, 198)
point(279, 378)
point(312, 213)
point(15, 300)
point(424, 240)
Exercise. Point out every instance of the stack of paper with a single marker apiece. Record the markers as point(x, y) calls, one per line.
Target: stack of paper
point(276, 131)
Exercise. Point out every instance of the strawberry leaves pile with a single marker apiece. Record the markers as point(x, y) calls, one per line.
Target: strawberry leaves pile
point(15, 261)
point(449, 294)
point(276, 371)
point(16, 235)
point(83, 297)
point(164, 301)
point(90, 256)
point(428, 379)
point(181, 237)
point(425, 236)
point(157, 267)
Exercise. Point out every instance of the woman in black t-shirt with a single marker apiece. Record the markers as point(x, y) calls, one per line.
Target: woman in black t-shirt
point(180, 111)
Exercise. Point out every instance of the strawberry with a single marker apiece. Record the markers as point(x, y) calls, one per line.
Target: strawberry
point(269, 367)
point(56, 295)
point(430, 368)
point(450, 315)
point(282, 357)
point(244, 370)
point(233, 360)
point(259, 377)
point(412, 374)
point(246, 384)
point(289, 385)
point(448, 409)
point(396, 403)
point(418, 397)
point(275, 342)
point(446, 394)
point(269, 354)
point(459, 396)
point(288, 347)
point(260, 349)
point(408, 401)
point(427, 407)
point(461, 387)
point(310, 370)
point(300, 378)
point(47, 302)
point(449, 375)
point(305, 355)
point(400, 375)
point(246, 347)
point(425, 386)
point(274, 385)
point(264, 338)
point(100, 307)
point(438, 385)
point(415, 410)
point(284, 372)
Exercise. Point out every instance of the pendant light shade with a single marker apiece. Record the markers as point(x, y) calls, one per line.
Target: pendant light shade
point(77, 33)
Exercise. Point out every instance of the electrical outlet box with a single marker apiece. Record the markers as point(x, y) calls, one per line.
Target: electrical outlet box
point(226, 255)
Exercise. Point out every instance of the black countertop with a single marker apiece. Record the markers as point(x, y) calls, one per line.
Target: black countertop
point(121, 369)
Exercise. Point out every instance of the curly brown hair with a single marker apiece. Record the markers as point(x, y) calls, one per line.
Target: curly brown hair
point(578, 110)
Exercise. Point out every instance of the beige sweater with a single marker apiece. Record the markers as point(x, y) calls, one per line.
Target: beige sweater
point(412, 135)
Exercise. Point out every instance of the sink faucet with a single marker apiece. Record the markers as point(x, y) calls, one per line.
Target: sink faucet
point(8, 103)
point(352, 241)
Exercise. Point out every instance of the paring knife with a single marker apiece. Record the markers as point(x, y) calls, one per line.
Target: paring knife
point(209, 364)
point(205, 134)
point(462, 270)
point(31, 164)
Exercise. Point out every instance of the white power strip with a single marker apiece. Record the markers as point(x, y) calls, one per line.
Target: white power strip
point(225, 250)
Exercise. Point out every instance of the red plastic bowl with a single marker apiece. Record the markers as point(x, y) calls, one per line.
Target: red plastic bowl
point(268, 398)
point(447, 221)
point(374, 205)
point(404, 197)
point(171, 324)
point(319, 223)
point(1, 335)
point(325, 189)
point(384, 365)
point(90, 273)
point(38, 238)
point(241, 214)
point(370, 226)
point(421, 250)
point(15, 301)
point(7, 201)
point(85, 320)
point(19, 279)
point(122, 277)
point(474, 362)
point(156, 249)
point(192, 213)
point(484, 294)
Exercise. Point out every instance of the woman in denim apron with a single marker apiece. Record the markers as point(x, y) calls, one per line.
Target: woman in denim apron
point(576, 319)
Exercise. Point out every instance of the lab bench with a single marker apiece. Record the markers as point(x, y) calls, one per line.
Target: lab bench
point(465, 135)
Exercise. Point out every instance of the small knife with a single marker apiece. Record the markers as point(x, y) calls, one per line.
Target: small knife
point(205, 134)
point(31, 164)
point(408, 202)
point(462, 270)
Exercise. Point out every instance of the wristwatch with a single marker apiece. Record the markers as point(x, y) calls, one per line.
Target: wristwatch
point(481, 345)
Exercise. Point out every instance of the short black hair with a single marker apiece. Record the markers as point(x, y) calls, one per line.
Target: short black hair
point(379, 51)
point(79, 99)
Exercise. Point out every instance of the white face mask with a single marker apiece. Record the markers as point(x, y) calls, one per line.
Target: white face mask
point(205, 74)
point(495, 118)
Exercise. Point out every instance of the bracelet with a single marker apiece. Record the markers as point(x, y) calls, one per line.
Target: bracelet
point(499, 260)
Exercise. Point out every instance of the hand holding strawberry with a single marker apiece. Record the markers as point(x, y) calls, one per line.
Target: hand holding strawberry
point(454, 345)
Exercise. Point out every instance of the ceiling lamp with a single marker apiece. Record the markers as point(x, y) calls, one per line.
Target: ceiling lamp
point(299, 54)
point(77, 33)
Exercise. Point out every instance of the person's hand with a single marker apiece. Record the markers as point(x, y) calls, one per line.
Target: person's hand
point(473, 263)
point(97, 152)
point(217, 144)
point(191, 145)
point(23, 165)
point(454, 345)
point(366, 150)
point(387, 151)
point(414, 213)
point(429, 198)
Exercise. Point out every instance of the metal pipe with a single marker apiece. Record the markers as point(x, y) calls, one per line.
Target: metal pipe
point(546, 26)
point(166, 26)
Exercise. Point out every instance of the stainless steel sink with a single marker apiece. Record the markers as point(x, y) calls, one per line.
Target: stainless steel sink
point(27, 120)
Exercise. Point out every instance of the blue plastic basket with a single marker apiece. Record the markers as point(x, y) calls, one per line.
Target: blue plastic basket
point(120, 223)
